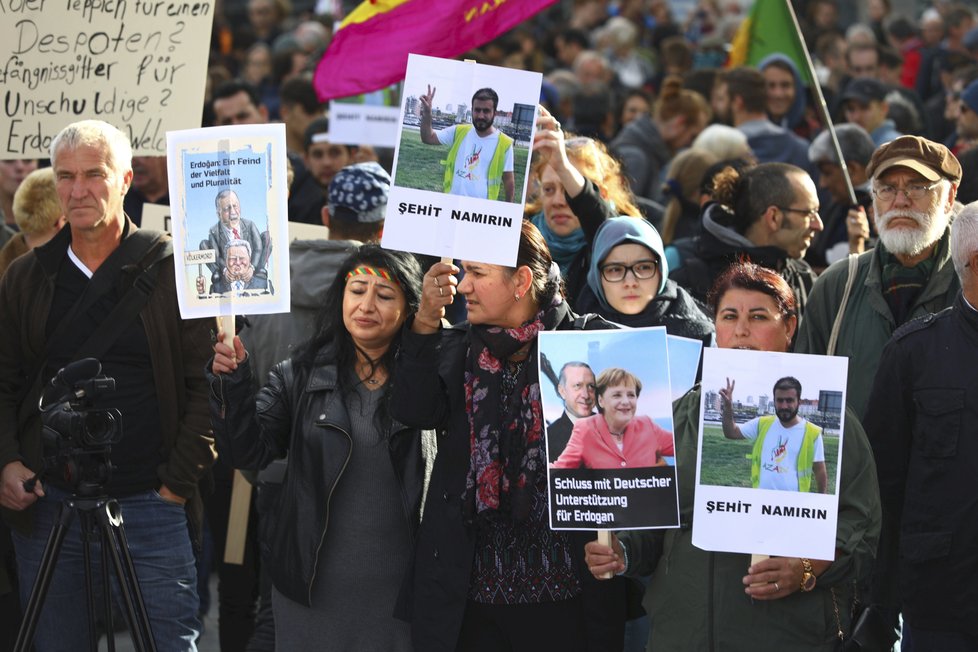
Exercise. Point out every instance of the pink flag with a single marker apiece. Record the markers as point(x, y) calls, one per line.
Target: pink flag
point(370, 49)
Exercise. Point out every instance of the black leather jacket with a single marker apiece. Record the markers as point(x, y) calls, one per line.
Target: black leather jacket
point(302, 416)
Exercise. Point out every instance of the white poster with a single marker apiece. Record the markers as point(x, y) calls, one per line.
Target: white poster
point(770, 445)
point(140, 66)
point(609, 430)
point(228, 199)
point(363, 124)
point(462, 160)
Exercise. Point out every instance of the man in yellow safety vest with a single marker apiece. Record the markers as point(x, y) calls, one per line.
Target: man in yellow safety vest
point(788, 451)
point(480, 157)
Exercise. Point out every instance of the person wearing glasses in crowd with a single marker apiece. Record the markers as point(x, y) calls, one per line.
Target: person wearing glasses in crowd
point(768, 215)
point(579, 186)
point(908, 274)
point(628, 282)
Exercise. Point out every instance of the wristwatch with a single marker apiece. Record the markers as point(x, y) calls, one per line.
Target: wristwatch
point(808, 578)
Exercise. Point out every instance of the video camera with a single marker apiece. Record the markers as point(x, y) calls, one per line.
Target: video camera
point(77, 436)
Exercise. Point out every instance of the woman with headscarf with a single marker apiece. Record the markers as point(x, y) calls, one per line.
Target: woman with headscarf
point(628, 283)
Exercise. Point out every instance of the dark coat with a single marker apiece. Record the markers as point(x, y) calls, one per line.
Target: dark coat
point(558, 434)
point(922, 421)
point(429, 392)
point(695, 263)
point(178, 350)
point(304, 416)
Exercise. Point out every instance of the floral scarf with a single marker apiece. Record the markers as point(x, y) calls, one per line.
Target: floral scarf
point(505, 431)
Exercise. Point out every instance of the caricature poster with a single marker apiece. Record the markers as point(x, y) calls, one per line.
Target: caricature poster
point(229, 219)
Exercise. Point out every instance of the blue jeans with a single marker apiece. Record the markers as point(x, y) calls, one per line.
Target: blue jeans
point(162, 554)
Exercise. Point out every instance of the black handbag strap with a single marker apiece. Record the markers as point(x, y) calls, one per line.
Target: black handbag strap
point(128, 307)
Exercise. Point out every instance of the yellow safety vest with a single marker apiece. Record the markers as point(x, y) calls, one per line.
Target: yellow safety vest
point(806, 456)
point(495, 165)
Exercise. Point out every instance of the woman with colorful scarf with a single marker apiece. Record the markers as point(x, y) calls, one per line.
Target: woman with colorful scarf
point(489, 573)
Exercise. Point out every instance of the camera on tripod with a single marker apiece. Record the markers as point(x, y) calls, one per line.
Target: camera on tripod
point(77, 436)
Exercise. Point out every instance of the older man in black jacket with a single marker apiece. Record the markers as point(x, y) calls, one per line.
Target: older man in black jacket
point(922, 421)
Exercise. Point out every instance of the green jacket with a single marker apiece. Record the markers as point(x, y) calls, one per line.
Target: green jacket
point(868, 322)
point(696, 598)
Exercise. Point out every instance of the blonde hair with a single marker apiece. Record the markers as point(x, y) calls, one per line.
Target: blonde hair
point(685, 176)
point(592, 160)
point(614, 376)
point(36, 204)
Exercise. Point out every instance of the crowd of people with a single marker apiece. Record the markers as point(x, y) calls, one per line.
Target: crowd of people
point(391, 423)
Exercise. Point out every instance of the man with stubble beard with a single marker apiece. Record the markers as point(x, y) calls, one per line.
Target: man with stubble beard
point(788, 453)
point(908, 274)
point(480, 157)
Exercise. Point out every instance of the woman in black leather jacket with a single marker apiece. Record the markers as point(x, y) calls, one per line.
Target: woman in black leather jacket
point(350, 465)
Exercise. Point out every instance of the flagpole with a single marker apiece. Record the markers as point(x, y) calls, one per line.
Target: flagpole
point(822, 106)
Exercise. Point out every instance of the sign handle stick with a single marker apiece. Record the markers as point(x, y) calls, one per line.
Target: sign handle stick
point(240, 488)
point(755, 558)
point(604, 538)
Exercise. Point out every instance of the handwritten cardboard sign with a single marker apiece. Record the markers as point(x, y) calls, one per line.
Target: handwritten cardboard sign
point(137, 64)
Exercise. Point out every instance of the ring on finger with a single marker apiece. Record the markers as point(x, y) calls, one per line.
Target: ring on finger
point(441, 291)
point(777, 589)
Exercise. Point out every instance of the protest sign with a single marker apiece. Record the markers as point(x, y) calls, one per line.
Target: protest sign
point(156, 217)
point(363, 124)
point(609, 429)
point(229, 219)
point(460, 177)
point(769, 455)
point(137, 65)
point(684, 361)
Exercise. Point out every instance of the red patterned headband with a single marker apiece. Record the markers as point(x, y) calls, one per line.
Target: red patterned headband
point(372, 271)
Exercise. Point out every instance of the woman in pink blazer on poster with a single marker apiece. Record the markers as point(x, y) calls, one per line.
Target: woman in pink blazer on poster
point(615, 438)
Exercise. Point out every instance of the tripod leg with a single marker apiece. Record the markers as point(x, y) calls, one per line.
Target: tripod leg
point(114, 537)
point(44, 573)
point(107, 618)
point(89, 534)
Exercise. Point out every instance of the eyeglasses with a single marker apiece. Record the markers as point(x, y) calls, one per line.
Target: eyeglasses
point(811, 214)
point(913, 191)
point(642, 270)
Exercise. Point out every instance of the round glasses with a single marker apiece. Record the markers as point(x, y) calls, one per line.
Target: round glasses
point(913, 191)
point(642, 270)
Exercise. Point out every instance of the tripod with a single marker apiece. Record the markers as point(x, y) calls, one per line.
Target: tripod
point(100, 519)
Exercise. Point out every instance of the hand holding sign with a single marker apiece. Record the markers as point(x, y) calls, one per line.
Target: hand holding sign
point(603, 560)
point(437, 291)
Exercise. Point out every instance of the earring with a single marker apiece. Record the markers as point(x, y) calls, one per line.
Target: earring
point(517, 296)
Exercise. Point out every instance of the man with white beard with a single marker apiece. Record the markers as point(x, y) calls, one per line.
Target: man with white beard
point(909, 274)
